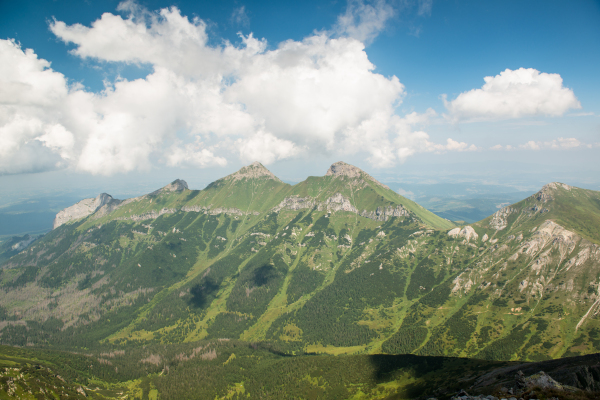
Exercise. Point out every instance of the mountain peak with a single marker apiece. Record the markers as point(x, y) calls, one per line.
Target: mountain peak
point(545, 194)
point(340, 168)
point(254, 170)
point(178, 185)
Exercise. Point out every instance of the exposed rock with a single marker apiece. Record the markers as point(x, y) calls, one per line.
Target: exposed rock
point(150, 215)
point(547, 191)
point(296, 203)
point(500, 218)
point(467, 232)
point(178, 185)
point(254, 170)
point(484, 238)
point(541, 380)
point(338, 202)
point(22, 245)
point(384, 213)
point(341, 169)
point(83, 209)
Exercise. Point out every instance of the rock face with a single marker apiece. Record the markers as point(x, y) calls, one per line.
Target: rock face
point(467, 232)
point(22, 245)
point(254, 170)
point(339, 202)
point(341, 169)
point(546, 193)
point(82, 209)
point(500, 218)
point(178, 185)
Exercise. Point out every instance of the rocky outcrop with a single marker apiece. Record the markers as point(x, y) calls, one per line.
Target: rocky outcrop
point(467, 232)
point(23, 244)
point(341, 169)
point(218, 210)
point(338, 202)
point(384, 213)
point(84, 208)
point(499, 219)
point(149, 215)
point(252, 171)
point(178, 185)
point(296, 203)
point(547, 192)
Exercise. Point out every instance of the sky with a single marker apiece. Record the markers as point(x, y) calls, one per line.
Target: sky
point(127, 96)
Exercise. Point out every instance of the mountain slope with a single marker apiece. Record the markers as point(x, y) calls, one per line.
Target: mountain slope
point(336, 264)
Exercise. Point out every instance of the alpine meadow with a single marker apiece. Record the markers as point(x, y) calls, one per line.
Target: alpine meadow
point(176, 222)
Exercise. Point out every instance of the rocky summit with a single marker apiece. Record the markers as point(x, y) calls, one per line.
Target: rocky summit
point(251, 269)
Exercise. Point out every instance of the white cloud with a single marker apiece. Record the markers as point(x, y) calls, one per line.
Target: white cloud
point(531, 145)
point(363, 21)
point(193, 155)
point(513, 94)
point(266, 148)
point(203, 104)
point(554, 144)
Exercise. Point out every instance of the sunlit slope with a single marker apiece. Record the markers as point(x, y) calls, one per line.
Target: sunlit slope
point(363, 192)
point(532, 289)
point(252, 188)
point(336, 264)
point(573, 208)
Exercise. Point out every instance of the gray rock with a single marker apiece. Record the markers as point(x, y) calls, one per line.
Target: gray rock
point(83, 209)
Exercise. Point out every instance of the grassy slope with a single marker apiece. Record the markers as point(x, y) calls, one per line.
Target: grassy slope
point(373, 291)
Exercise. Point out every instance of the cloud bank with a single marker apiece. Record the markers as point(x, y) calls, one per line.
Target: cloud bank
point(203, 105)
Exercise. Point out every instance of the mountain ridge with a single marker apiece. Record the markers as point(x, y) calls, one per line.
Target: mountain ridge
point(335, 264)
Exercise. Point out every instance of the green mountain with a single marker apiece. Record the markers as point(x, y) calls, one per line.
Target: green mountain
point(337, 264)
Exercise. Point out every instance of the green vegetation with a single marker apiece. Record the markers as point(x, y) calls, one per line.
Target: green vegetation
point(318, 267)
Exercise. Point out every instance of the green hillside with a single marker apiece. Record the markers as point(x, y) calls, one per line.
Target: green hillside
point(338, 264)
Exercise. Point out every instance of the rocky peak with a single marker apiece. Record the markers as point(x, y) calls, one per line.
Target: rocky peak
point(341, 169)
point(254, 170)
point(178, 185)
point(545, 194)
point(82, 209)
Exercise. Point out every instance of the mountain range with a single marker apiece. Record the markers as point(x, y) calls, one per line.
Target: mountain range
point(338, 264)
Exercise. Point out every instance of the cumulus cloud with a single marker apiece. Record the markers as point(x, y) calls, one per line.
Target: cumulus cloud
point(192, 155)
point(266, 148)
point(202, 104)
point(513, 94)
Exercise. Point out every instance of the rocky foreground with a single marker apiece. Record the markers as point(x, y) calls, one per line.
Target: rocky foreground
point(574, 378)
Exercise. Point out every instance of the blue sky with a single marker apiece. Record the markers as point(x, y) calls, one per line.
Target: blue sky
point(152, 90)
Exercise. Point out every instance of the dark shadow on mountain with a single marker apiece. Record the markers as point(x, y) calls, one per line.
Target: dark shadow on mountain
point(192, 194)
point(262, 275)
point(387, 366)
point(203, 292)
